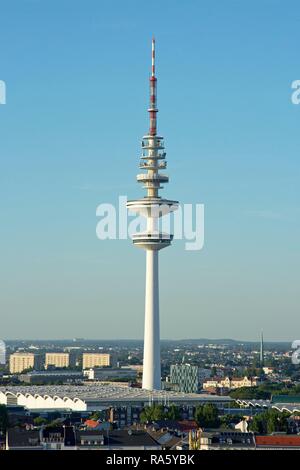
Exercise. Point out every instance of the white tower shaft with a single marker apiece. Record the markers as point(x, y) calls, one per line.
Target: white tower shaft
point(151, 368)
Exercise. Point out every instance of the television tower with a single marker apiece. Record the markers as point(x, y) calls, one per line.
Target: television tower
point(152, 207)
point(261, 353)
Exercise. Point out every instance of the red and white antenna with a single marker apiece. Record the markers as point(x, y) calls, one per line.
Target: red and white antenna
point(153, 57)
point(153, 109)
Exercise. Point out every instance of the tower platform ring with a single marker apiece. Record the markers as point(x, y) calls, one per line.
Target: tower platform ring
point(156, 207)
point(152, 240)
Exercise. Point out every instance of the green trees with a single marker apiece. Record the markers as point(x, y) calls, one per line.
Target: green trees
point(38, 421)
point(207, 416)
point(227, 420)
point(250, 392)
point(173, 413)
point(152, 413)
point(270, 421)
point(97, 415)
point(158, 412)
point(3, 418)
point(264, 391)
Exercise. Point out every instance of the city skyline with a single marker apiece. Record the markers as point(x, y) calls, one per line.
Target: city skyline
point(75, 79)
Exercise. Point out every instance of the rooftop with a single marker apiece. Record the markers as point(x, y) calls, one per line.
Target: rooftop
point(111, 393)
point(280, 440)
point(290, 399)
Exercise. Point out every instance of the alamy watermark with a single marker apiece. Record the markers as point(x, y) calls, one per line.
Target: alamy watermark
point(296, 354)
point(295, 97)
point(183, 221)
point(2, 92)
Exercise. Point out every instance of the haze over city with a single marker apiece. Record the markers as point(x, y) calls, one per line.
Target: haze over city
point(70, 139)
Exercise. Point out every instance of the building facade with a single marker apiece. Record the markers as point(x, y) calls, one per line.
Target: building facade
point(58, 360)
point(90, 360)
point(52, 377)
point(186, 377)
point(20, 361)
point(230, 383)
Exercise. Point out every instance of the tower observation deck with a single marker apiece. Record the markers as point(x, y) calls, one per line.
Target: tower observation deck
point(152, 207)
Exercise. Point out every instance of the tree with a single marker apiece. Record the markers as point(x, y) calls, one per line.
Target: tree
point(257, 424)
point(227, 420)
point(152, 413)
point(248, 393)
point(173, 413)
point(270, 421)
point(207, 415)
point(97, 415)
point(38, 421)
point(3, 418)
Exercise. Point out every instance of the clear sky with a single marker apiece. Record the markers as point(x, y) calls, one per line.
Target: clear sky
point(77, 92)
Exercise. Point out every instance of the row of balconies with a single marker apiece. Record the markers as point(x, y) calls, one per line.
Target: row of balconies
point(158, 156)
point(152, 178)
point(149, 166)
point(157, 141)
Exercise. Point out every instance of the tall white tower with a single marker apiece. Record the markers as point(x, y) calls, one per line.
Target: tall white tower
point(152, 207)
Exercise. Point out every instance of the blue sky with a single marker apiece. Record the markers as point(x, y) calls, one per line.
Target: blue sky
point(77, 93)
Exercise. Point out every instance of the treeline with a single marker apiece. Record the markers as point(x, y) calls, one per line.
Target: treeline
point(206, 415)
point(270, 421)
point(264, 391)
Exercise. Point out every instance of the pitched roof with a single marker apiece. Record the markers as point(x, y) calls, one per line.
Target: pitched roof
point(187, 425)
point(124, 438)
point(91, 423)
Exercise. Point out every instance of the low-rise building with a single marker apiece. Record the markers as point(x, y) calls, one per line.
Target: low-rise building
point(230, 382)
point(21, 439)
point(221, 440)
point(70, 438)
point(52, 377)
point(107, 374)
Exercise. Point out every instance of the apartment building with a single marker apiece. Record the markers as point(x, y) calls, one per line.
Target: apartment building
point(90, 360)
point(20, 361)
point(58, 360)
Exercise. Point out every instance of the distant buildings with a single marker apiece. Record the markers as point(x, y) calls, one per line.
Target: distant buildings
point(90, 360)
point(58, 360)
point(230, 383)
point(20, 361)
point(268, 370)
